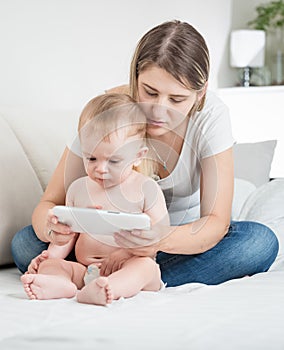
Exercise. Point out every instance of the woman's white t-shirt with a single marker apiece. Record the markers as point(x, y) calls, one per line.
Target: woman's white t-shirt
point(208, 133)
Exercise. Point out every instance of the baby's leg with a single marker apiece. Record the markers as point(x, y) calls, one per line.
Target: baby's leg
point(56, 278)
point(137, 273)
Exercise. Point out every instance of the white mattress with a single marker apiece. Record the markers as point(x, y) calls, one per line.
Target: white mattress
point(247, 313)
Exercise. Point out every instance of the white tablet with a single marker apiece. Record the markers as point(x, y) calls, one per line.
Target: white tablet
point(100, 222)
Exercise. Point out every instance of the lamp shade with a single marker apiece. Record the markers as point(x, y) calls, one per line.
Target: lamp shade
point(247, 48)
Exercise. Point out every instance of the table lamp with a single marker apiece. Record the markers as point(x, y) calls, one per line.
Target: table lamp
point(247, 51)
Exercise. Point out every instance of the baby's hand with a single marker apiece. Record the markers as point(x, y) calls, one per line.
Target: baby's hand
point(114, 261)
point(34, 264)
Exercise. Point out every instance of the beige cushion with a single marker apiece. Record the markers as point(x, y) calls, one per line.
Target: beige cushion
point(20, 190)
point(43, 136)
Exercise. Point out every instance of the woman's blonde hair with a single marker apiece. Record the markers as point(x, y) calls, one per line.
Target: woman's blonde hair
point(178, 48)
point(113, 113)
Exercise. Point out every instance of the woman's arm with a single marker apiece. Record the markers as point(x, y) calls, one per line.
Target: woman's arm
point(216, 192)
point(69, 168)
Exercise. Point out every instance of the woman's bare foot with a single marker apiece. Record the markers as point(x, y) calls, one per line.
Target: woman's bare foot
point(97, 292)
point(39, 286)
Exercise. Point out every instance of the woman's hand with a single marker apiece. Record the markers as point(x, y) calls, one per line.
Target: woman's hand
point(57, 233)
point(143, 243)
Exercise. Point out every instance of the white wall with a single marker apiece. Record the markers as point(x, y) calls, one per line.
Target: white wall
point(57, 54)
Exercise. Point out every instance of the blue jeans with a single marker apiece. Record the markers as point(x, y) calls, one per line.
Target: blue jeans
point(248, 248)
point(25, 246)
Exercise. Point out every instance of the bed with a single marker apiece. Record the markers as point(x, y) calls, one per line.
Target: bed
point(246, 313)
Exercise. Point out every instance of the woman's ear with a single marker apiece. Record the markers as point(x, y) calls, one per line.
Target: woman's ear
point(202, 93)
point(201, 97)
point(140, 155)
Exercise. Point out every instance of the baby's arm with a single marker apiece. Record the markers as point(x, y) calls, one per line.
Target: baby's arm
point(61, 251)
point(53, 251)
point(155, 204)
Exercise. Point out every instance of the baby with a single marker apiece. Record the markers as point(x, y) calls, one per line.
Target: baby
point(112, 130)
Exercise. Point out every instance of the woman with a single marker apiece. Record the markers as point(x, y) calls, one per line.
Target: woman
point(190, 136)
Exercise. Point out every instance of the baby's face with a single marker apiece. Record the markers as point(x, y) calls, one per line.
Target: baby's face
point(109, 162)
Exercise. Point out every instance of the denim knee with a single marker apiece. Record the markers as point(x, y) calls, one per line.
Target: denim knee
point(248, 248)
point(260, 246)
point(25, 246)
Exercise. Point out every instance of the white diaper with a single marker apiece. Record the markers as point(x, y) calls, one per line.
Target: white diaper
point(91, 274)
point(163, 286)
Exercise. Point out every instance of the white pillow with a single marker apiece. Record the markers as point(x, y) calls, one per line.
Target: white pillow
point(242, 190)
point(253, 161)
point(265, 205)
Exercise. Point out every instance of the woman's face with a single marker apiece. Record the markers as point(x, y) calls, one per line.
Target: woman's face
point(165, 100)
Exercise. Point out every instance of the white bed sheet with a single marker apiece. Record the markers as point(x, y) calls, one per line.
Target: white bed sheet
point(246, 313)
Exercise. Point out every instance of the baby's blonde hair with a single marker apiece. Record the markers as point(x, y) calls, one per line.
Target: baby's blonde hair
point(115, 113)
point(110, 112)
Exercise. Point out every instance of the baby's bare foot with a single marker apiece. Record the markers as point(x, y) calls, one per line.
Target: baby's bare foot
point(96, 292)
point(39, 286)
